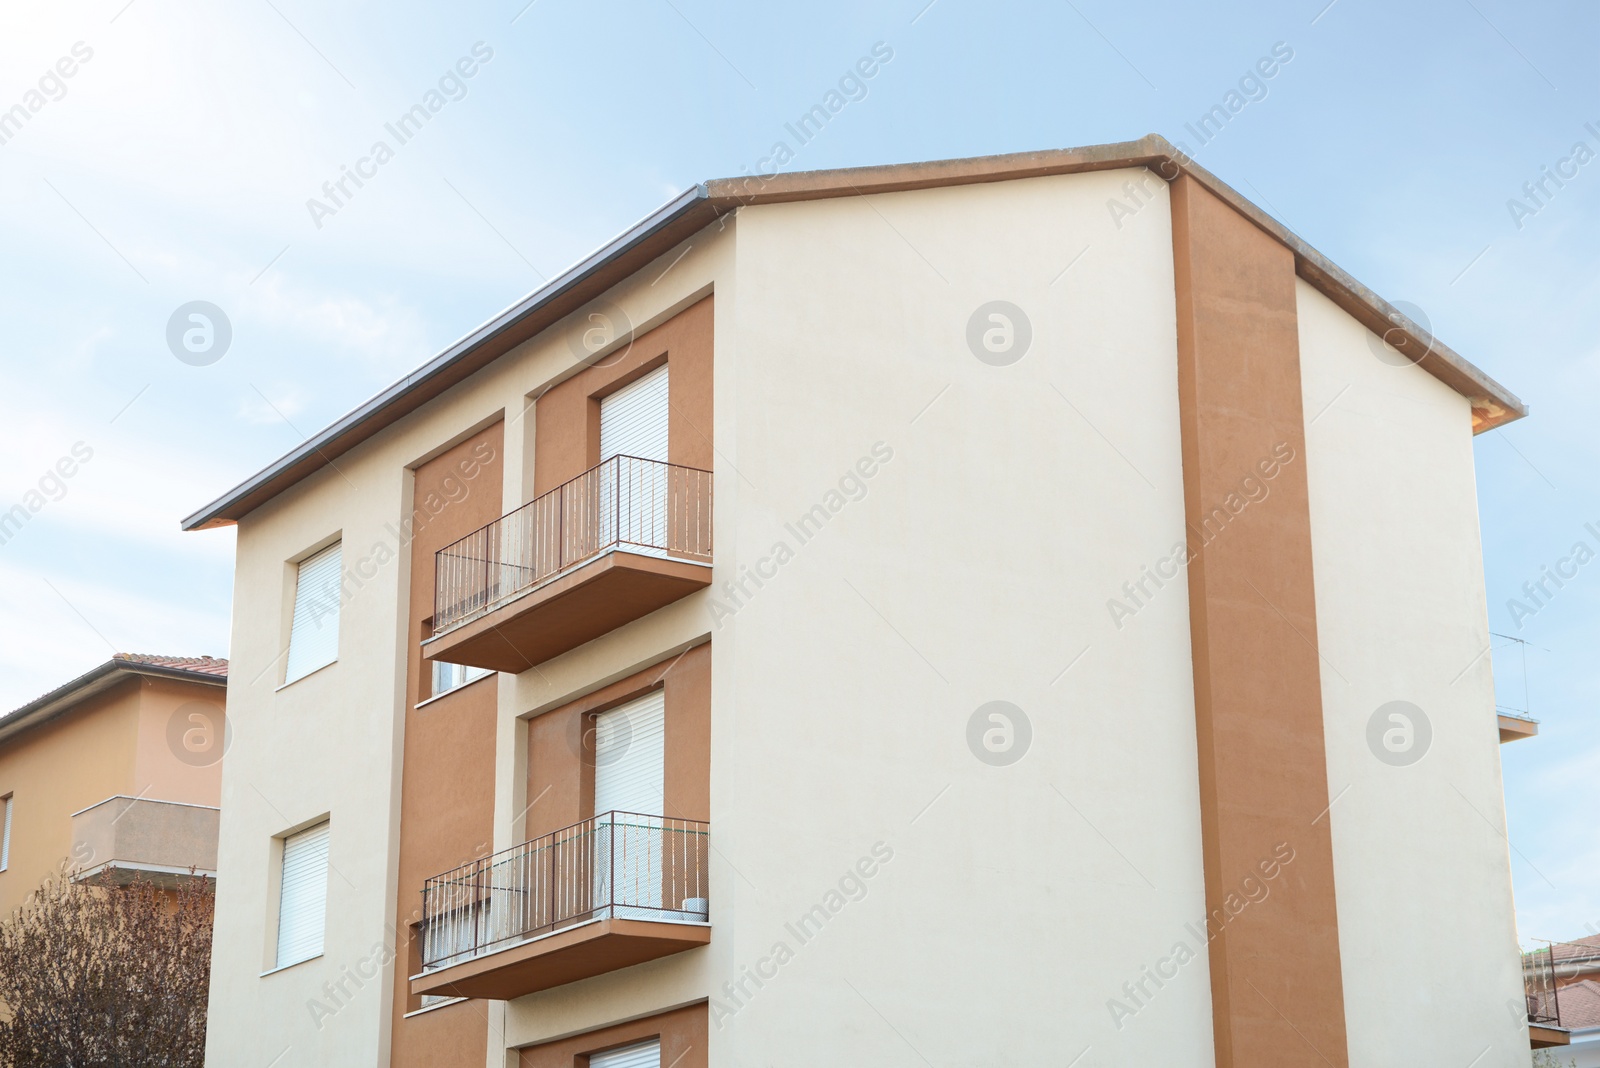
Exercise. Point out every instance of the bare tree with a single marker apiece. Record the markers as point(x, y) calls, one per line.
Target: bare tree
point(95, 976)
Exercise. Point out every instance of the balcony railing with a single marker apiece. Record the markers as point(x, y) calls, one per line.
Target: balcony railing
point(618, 865)
point(644, 506)
point(1539, 986)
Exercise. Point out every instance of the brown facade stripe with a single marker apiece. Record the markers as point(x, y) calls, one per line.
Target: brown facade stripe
point(1276, 984)
point(447, 765)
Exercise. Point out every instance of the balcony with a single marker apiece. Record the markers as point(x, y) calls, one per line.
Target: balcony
point(1515, 726)
point(610, 892)
point(159, 841)
point(1544, 1007)
point(621, 540)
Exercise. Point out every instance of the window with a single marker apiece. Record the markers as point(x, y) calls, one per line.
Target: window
point(638, 1055)
point(314, 633)
point(303, 897)
point(5, 833)
point(447, 677)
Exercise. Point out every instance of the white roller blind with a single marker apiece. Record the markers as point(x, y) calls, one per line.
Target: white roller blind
point(640, 1055)
point(314, 634)
point(5, 836)
point(303, 902)
point(633, 420)
point(630, 757)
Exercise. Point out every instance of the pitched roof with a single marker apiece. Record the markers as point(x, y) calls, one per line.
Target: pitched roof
point(1579, 1004)
point(204, 670)
point(688, 213)
point(1576, 949)
point(204, 665)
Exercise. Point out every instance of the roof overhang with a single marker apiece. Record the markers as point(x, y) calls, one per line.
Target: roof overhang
point(92, 683)
point(1492, 404)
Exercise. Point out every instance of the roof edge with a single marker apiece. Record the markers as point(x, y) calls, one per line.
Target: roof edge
point(95, 681)
point(217, 512)
point(1492, 404)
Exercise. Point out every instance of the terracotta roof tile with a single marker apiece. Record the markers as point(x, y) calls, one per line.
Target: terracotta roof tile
point(1580, 1004)
point(1577, 948)
point(203, 665)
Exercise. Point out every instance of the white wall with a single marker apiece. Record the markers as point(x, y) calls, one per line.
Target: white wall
point(976, 568)
point(1421, 862)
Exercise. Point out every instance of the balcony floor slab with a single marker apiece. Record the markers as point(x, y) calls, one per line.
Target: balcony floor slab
point(565, 956)
point(569, 610)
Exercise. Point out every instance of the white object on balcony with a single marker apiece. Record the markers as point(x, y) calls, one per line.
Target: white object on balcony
point(629, 779)
point(697, 906)
point(314, 634)
point(303, 897)
point(639, 1055)
point(633, 496)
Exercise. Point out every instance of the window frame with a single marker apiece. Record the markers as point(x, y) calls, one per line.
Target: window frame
point(334, 545)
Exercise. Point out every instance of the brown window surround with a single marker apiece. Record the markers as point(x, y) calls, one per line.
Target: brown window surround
point(683, 1035)
point(563, 947)
point(567, 416)
point(561, 745)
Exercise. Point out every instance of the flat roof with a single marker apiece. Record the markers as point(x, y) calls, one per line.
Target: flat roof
point(1492, 404)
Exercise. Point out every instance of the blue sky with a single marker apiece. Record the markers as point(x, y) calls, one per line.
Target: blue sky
point(176, 162)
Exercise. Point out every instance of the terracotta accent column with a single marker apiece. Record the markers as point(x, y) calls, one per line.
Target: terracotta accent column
point(1276, 986)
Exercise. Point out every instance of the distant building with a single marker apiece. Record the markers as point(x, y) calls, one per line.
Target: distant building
point(115, 774)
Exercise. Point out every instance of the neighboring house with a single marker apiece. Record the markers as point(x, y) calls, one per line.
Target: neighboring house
point(1580, 1014)
point(116, 773)
point(943, 747)
point(1577, 959)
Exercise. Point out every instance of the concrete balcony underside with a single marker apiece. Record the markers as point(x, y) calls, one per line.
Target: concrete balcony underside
point(565, 956)
point(1543, 1036)
point(575, 607)
point(1513, 728)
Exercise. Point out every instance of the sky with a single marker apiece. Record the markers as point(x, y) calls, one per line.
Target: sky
point(185, 156)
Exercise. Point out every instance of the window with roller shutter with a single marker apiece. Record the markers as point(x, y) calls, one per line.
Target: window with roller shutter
point(314, 632)
point(638, 1055)
point(303, 896)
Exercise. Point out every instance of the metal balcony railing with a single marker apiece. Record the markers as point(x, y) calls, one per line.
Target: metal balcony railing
point(616, 865)
point(1539, 986)
point(644, 506)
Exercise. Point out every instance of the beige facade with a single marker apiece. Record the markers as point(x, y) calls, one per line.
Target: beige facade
point(114, 773)
point(909, 526)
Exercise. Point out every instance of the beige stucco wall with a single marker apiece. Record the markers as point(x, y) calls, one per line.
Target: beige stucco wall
point(991, 541)
point(976, 568)
point(1421, 860)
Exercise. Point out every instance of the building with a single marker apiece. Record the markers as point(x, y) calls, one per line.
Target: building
point(1580, 1014)
point(115, 774)
point(1088, 665)
point(1576, 960)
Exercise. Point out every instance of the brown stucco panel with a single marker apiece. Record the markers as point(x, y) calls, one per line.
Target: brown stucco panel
point(447, 776)
point(567, 417)
point(560, 745)
point(1277, 993)
point(683, 1034)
